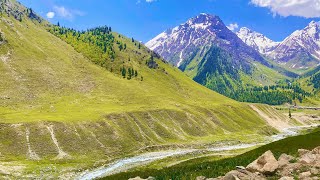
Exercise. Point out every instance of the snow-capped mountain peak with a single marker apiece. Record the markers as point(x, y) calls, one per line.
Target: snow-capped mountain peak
point(202, 22)
point(196, 31)
point(196, 35)
point(256, 40)
point(313, 24)
point(302, 47)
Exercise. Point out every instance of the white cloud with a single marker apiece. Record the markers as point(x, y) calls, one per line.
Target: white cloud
point(67, 13)
point(50, 15)
point(302, 8)
point(233, 26)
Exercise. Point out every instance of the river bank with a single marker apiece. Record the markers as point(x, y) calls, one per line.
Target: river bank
point(146, 158)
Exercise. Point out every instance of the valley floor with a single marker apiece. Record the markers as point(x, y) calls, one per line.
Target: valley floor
point(64, 165)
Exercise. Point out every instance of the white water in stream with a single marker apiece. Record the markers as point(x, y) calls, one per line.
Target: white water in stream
point(128, 163)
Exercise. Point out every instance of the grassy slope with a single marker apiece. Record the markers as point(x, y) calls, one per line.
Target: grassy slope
point(96, 115)
point(38, 72)
point(314, 100)
point(261, 76)
point(203, 167)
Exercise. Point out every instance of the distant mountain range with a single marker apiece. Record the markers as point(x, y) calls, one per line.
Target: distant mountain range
point(233, 63)
point(299, 51)
point(207, 51)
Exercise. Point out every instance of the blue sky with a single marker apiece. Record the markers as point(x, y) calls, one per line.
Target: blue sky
point(144, 19)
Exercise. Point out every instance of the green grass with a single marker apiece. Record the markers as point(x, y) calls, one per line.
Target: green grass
point(204, 167)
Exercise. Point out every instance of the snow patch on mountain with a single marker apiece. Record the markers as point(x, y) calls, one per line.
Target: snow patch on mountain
point(179, 44)
point(256, 40)
point(300, 50)
point(305, 41)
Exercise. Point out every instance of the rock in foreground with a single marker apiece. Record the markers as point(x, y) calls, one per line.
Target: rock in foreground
point(304, 167)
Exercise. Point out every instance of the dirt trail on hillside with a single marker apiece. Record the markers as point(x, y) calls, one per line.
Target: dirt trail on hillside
point(61, 154)
point(31, 154)
point(272, 119)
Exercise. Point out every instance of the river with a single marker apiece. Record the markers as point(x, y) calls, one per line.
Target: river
point(146, 158)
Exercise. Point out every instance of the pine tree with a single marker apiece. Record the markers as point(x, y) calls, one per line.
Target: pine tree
point(290, 116)
point(124, 72)
point(1, 37)
point(129, 73)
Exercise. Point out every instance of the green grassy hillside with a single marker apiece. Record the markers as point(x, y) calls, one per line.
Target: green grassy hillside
point(61, 111)
point(310, 82)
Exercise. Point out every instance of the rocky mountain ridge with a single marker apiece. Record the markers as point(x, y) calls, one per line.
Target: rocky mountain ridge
point(257, 40)
point(299, 51)
point(196, 36)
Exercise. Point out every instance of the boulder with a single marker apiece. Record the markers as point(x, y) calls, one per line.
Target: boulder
point(315, 171)
point(304, 175)
point(316, 150)
point(232, 175)
point(302, 152)
point(284, 160)
point(289, 169)
point(287, 178)
point(308, 158)
point(265, 164)
point(243, 174)
point(201, 178)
